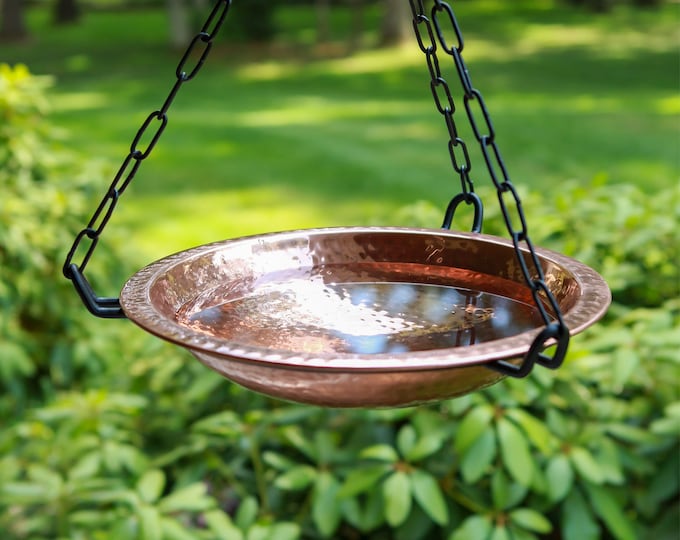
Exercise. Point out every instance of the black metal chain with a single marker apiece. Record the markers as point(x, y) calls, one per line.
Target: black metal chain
point(429, 32)
point(555, 328)
point(110, 307)
point(443, 99)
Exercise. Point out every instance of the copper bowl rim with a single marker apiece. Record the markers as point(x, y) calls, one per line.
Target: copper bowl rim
point(591, 305)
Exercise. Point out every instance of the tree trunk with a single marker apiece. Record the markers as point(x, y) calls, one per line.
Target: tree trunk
point(396, 25)
point(66, 12)
point(179, 24)
point(12, 26)
point(357, 28)
point(323, 12)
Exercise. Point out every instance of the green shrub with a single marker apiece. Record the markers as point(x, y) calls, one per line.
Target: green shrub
point(42, 185)
point(120, 436)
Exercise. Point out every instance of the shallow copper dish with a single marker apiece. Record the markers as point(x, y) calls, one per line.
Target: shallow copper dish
point(357, 317)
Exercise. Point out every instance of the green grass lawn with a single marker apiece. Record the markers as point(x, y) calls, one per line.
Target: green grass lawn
point(280, 137)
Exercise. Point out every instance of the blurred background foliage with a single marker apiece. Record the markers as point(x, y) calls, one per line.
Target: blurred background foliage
point(108, 433)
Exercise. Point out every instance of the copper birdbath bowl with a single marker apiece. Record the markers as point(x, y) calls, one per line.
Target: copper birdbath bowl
point(357, 317)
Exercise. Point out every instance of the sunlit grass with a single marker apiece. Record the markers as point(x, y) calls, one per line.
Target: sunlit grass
point(171, 223)
point(80, 101)
point(259, 143)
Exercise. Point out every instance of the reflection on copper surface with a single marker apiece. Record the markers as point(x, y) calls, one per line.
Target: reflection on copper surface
point(360, 317)
point(357, 316)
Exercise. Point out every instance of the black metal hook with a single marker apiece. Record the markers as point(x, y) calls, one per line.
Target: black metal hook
point(468, 198)
point(105, 308)
point(554, 330)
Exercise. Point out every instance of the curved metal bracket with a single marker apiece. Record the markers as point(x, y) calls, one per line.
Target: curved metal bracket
point(105, 308)
point(554, 330)
point(468, 198)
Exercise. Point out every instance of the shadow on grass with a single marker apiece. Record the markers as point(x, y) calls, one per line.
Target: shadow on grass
point(340, 132)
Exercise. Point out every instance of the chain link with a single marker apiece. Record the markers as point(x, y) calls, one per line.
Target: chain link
point(555, 330)
point(427, 33)
point(426, 28)
point(87, 239)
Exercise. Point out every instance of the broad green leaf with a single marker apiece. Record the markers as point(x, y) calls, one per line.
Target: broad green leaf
point(558, 424)
point(626, 361)
point(673, 409)
point(427, 420)
point(132, 459)
point(428, 494)
point(362, 479)
point(9, 469)
point(515, 452)
point(500, 533)
point(246, 513)
point(610, 463)
point(192, 498)
point(289, 414)
point(535, 430)
point(610, 338)
point(500, 489)
point(478, 457)
point(285, 531)
point(367, 514)
point(474, 423)
point(297, 439)
point(666, 481)
point(15, 360)
point(382, 452)
point(434, 430)
point(150, 522)
point(631, 434)
point(225, 423)
point(666, 527)
point(117, 456)
point(114, 494)
point(577, 521)
point(426, 445)
point(297, 478)
point(46, 477)
point(560, 476)
point(275, 531)
point(531, 520)
point(585, 465)
point(127, 402)
point(518, 533)
point(352, 512)
point(221, 526)
point(669, 425)
point(406, 439)
point(325, 507)
point(259, 531)
point(474, 527)
point(173, 529)
point(460, 406)
point(325, 443)
point(504, 492)
point(277, 461)
point(26, 493)
point(539, 484)
point(150, 485)
point(611, 513)
point(86, 467)
point(418, 526)
point(87, 518)
point(397, 496)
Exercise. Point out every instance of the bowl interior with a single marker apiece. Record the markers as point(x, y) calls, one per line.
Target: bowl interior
point(357, 298)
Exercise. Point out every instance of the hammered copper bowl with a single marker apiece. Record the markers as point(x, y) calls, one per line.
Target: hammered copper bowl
point(293, 353)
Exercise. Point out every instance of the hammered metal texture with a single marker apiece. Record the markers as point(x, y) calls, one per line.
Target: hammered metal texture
point(291, 341)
